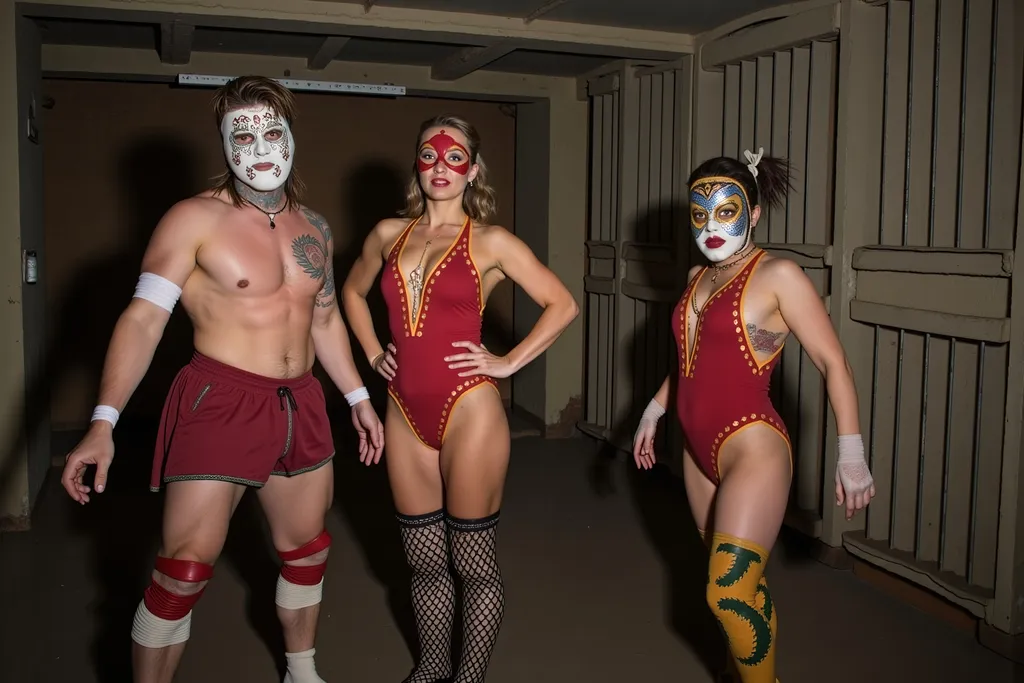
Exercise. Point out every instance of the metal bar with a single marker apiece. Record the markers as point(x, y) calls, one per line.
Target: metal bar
point(972, 533)
point(936, 77)
point(922, 439)
point(885, 125)
point(991, 121)
point(910, 119)
point(297, 84)
point(871, 430)
point(963, 127)
point(950, 393)
point(896, 439)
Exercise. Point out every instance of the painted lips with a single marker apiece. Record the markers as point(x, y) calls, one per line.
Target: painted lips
point(439, 182)
point(714, 242)
point(264, 166)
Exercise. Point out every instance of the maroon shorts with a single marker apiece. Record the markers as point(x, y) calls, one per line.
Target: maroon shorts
point(227, 424)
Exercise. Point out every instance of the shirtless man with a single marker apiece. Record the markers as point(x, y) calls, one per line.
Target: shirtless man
point(253, 270)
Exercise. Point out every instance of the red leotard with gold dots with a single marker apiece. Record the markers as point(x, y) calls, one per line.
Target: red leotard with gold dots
point(425, 388)
point(723, 389)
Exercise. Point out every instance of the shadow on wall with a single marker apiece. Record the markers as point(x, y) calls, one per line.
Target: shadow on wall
point(374, 191)
point(660, 496)
point(155, 172)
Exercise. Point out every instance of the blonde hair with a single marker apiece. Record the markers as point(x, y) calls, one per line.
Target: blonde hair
point(255, 91)
point(479, 200)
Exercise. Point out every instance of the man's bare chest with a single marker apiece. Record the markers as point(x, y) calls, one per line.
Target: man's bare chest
point(258, 260)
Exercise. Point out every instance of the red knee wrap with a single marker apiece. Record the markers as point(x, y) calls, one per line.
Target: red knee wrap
point(167, 605)
point(308, 575)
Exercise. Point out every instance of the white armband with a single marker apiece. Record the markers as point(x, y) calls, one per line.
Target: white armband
point(357, 396)
point(158, 290)
point(108, 413)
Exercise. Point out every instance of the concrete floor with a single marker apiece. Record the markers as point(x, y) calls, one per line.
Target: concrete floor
point(603, 571)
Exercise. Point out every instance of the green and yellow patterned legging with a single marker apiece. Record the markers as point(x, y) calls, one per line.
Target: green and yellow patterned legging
point(738, 596)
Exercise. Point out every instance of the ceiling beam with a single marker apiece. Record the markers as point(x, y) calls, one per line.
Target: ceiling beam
point(176, 42)
point(542, 10)
point(465, 62)
point(781, 34)
point(384, 23)
point(329, 50)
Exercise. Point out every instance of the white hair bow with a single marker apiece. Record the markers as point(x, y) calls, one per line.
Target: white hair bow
point(754, 160)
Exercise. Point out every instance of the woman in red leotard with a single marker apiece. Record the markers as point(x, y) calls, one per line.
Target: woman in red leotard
point(730, 326)
point(446, 432)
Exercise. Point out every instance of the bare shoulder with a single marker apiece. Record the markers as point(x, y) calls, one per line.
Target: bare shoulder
point(389, 229)
point(317, 221)
point(783, 277)
point(780, 270)
point(493, 237)
point(694, 271)
point(178, 237)
point(311, 215)
point(384, 235)
point(193, 217)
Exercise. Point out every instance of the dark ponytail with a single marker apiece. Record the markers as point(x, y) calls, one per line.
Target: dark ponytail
point(774, 178)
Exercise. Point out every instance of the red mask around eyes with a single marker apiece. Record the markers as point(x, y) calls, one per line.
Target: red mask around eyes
point(441, 144)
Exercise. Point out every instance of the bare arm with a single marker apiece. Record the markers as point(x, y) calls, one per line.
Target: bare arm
point(357, 285)
point(171, 254)
point(803, 311)
point(520, 264)
point(330, 336)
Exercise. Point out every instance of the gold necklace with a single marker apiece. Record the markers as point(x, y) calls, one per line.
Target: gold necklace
point(718, 269)
point(416, 281)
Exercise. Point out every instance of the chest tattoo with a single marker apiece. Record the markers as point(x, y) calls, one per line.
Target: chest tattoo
point(311, 252)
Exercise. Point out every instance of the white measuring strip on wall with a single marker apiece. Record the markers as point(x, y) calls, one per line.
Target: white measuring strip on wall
point(300, 84)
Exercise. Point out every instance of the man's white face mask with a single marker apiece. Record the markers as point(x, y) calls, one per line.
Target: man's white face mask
point(259, 147)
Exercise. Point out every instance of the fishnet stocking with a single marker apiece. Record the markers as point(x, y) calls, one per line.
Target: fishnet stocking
point(483, 600)
point(433, 594)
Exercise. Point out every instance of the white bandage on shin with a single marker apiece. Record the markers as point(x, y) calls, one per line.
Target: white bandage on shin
point(293, 596)
point(158, 290)
point(149, 630)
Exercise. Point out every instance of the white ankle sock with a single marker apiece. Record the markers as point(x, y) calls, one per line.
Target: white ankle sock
point(301, 668)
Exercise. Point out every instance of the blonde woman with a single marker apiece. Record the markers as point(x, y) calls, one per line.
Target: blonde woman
point(446, 432)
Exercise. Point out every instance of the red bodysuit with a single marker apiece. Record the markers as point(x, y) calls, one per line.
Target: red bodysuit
point(722, 389)
point(425, 388)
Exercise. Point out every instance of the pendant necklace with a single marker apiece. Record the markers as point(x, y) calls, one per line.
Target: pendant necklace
point(270, 214)
point(416, 280)
point(719, 269)
point(714, 278)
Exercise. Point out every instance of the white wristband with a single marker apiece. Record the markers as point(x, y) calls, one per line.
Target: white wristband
point(357, 396)
point(108, 413)
point(851, 448)
point(653, 412)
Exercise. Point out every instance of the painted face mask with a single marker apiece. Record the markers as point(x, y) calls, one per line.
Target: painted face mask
point(719, 217)
point(445, 149)
point(259, 147)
